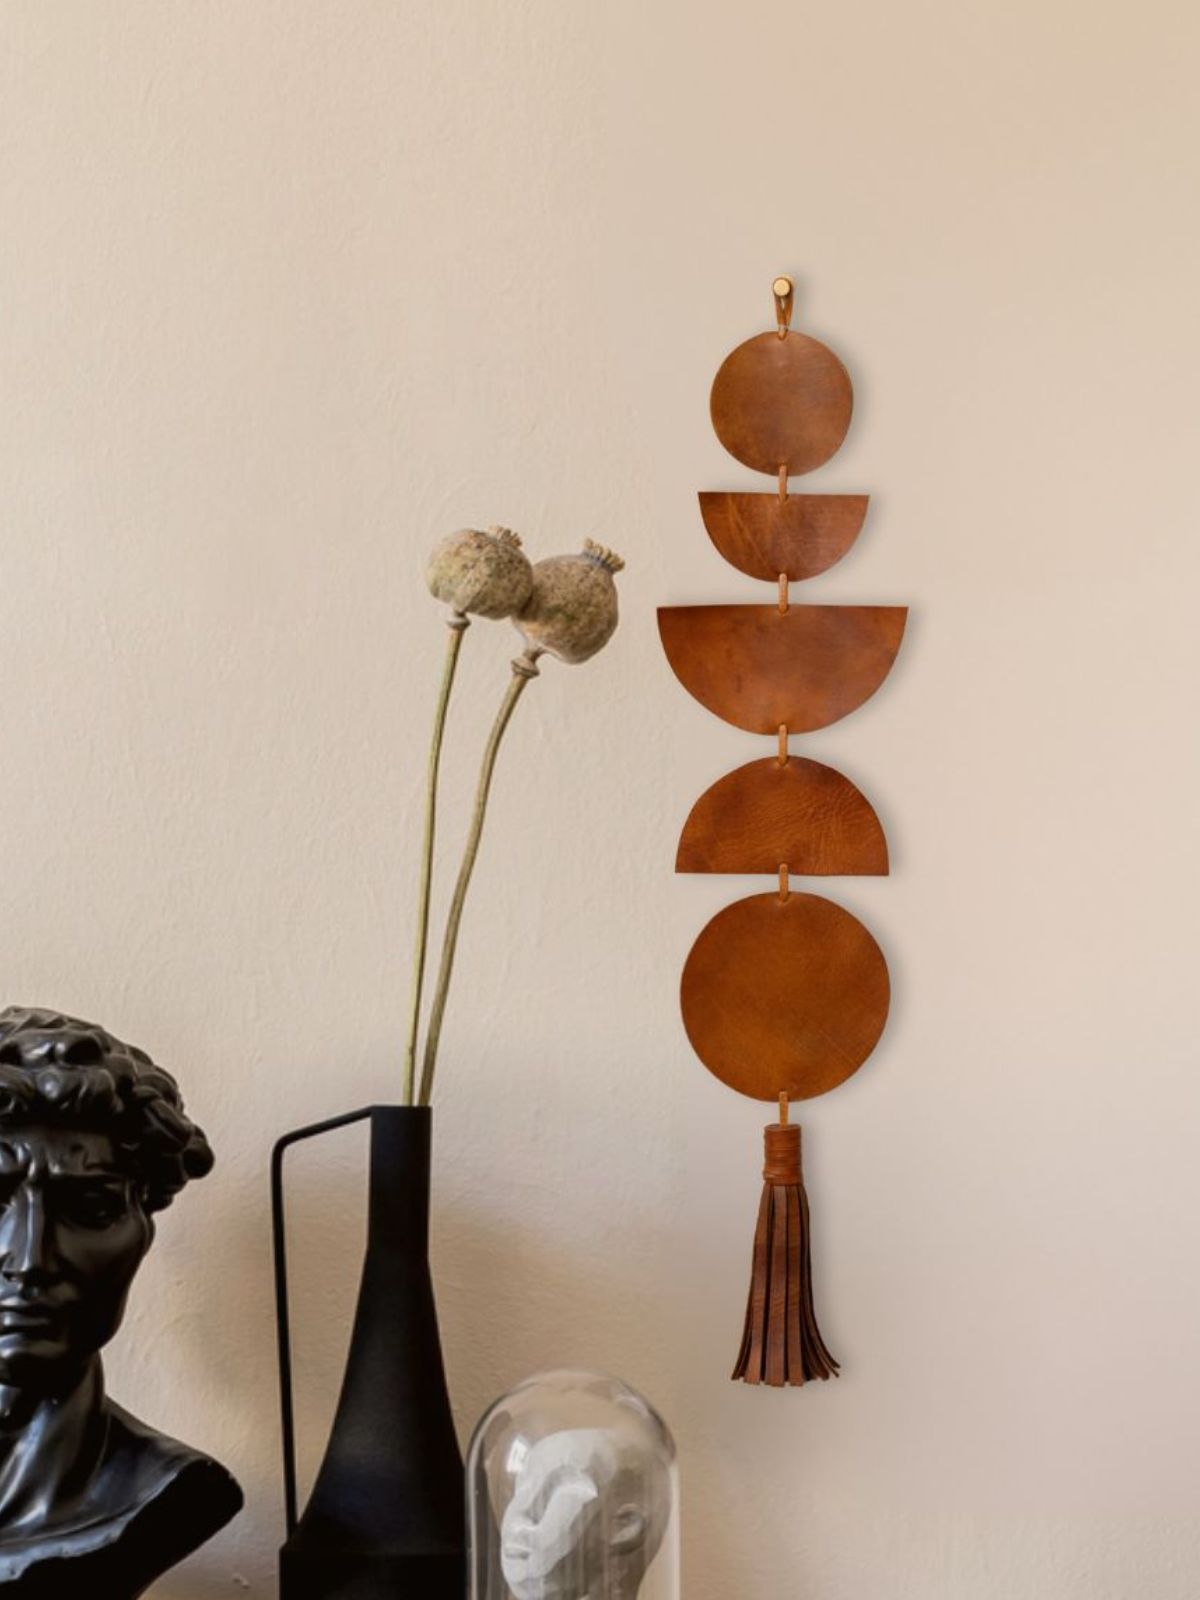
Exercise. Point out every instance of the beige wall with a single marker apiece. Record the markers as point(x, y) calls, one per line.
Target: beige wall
point(288, 288)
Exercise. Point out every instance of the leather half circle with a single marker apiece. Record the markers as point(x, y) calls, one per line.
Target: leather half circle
point(762, 535)
point(804, 815)
point(761, 668)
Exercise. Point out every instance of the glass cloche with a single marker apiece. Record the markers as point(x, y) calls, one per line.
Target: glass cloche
point(572, 1494)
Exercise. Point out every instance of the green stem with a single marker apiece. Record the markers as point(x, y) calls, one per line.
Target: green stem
point(524, 668)
point(458, 625)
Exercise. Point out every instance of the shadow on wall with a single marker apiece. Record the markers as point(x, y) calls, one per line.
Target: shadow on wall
point(512, 1305)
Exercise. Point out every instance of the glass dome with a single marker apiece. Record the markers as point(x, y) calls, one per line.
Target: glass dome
point(572, 1494)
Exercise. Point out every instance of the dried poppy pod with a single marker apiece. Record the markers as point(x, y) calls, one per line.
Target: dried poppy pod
point(486, 574)
point(572, 609)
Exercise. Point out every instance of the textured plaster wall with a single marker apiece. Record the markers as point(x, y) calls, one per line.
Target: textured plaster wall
point(287, 289)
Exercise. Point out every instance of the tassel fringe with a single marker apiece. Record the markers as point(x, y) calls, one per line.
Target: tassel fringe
point(781, 1343)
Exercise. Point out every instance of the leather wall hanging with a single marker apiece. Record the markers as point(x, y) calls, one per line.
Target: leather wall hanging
point(785, 994)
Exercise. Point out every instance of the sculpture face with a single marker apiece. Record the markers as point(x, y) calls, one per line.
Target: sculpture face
point(73, 1231)
point(94, 1139)
point(577, 1526)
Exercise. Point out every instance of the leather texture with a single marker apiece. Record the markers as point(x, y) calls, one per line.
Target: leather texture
point(800, 536)
point(781, 403)
point(784, 995)
point(761, 668)
point(804, 815)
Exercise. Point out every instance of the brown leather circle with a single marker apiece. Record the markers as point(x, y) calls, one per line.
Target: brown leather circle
point(781, 402)
point(784, 995)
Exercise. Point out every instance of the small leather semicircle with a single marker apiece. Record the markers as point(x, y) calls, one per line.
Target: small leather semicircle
point(762, 535)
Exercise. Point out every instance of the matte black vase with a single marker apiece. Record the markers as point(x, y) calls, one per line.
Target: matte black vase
point(385, 1518)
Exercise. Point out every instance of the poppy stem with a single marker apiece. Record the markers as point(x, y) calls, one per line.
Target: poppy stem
point(524, 668)
point(458, 625)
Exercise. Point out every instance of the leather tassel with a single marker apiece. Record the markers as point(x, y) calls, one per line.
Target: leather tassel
point(781, 1343)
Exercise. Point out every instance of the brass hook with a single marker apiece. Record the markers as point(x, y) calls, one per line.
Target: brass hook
point(783, 290)
point(783, 1108)
point(783, 478)
point(782, 757)
point(784, 887)
point(783, 594)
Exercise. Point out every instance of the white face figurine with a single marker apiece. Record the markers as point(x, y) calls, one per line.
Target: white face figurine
point(585, 1520)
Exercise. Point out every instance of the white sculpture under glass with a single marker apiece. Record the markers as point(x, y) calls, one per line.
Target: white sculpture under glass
point(572, 1489)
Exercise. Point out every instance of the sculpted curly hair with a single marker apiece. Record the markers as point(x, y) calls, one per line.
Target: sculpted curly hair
point(56, 1069)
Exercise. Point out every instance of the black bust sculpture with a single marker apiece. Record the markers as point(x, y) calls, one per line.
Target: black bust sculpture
point(93, 1141)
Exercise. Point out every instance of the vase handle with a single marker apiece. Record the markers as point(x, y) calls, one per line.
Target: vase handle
point(282, 1327)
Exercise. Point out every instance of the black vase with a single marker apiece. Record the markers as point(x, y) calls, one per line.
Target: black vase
point(385, 1518)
